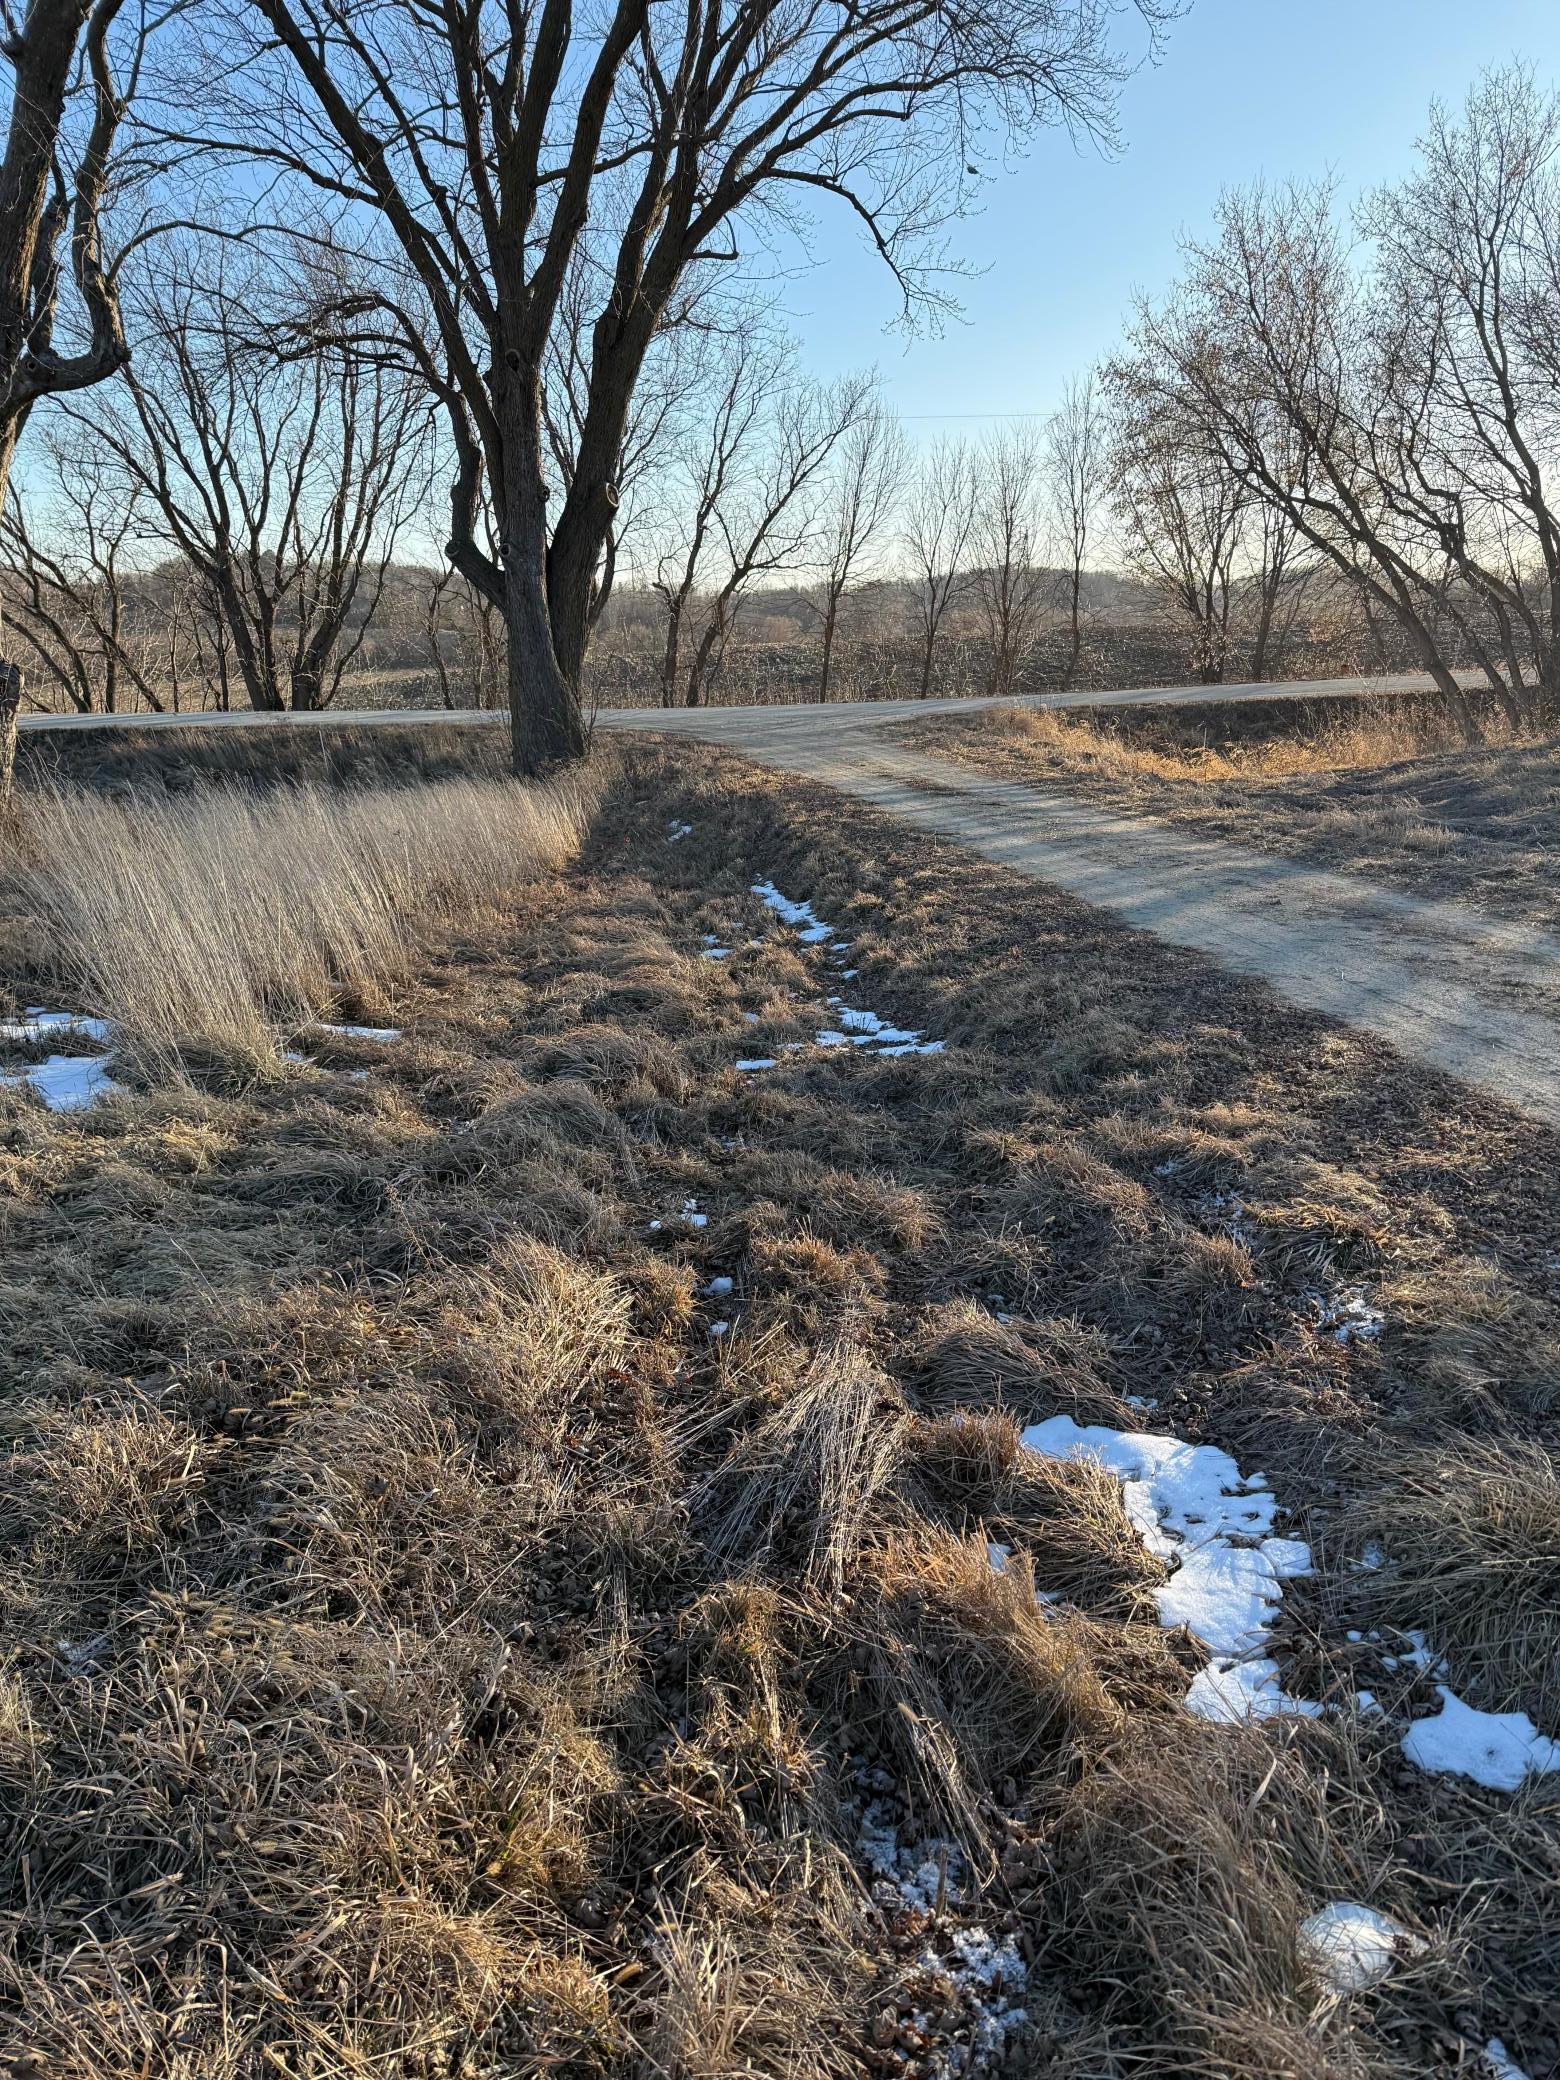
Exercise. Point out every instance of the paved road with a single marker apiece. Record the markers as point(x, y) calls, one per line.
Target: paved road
point(1447, 986)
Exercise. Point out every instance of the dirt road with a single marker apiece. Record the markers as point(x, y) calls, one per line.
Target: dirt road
point(1463, 992)
point(1446, 985)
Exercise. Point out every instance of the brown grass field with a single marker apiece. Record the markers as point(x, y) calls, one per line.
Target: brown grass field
point(1380, 787)
point(432, 1646)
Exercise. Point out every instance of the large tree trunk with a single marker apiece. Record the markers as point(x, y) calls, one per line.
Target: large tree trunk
point(546, 727)
point(10, 675)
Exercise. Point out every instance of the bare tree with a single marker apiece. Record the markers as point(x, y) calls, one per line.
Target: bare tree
point(1010, 583)
point(76, 598)
point(42, 207)
point(493, 143)
point(1259, 364)
point(769, 524)
point(1075, 465)
point(939, 525)
point(866, 477)
point(1280, 581)
point(1466, 309)
point(711, 466)
point(1181, 515)
point(283, 481)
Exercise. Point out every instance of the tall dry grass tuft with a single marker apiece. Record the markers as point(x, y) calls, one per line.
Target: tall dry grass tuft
point(1472, 1532)
point(1369, 735)
point(209, 923)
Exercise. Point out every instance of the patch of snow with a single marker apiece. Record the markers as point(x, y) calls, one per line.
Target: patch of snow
point(750, 1018)
point(1230, 1692)
point(1194, 1509)
point(1351, 1948)
point(1496, 1749)
point(800, 916)
point(717, 953)
point(66, 1082)
point(1416, 1655)
point(758, 1061)
point(676, 832)
point(717, 1330)
point(1499, 2063)
point(385, 1033)
point(718, 1288)
point(36, 1023)
point(866, 1029)
point(986, 1971)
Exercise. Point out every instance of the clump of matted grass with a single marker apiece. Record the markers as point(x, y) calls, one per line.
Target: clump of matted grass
point(1183, 1864)
point(1470, 1533)
point(207, 923)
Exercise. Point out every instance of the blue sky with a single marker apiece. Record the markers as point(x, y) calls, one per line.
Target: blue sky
point(1246, 87)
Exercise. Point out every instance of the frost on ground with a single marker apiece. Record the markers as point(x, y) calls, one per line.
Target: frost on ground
point(1347, 1316)
point(1351, 1948)
point(1496, 1749)
point(1194, 1509)
point(964, 1982)
point(1226, 1210)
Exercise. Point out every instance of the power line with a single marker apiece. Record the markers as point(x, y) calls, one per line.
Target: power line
point(1035, 414)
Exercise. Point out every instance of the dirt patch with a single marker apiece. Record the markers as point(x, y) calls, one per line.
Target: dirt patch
point(503, 1547)
point(1482, 826)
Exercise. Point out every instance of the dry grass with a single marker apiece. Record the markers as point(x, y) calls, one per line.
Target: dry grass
point(1184, 1866)
point(427, 1650)
point(1472, 1538)
point(205, 925)
point(1361, 735)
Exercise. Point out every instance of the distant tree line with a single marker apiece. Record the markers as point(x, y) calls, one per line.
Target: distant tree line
point(1330, 446)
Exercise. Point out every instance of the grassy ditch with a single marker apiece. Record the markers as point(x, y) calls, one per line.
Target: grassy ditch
point(521, 1557)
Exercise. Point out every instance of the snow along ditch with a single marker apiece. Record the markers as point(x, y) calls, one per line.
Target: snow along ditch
point(1194, 1509)
point(852, 1027)
point(72, 1082)
point(1213, 1527)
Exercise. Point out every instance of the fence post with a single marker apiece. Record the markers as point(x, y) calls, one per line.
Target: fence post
point(10, 705)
